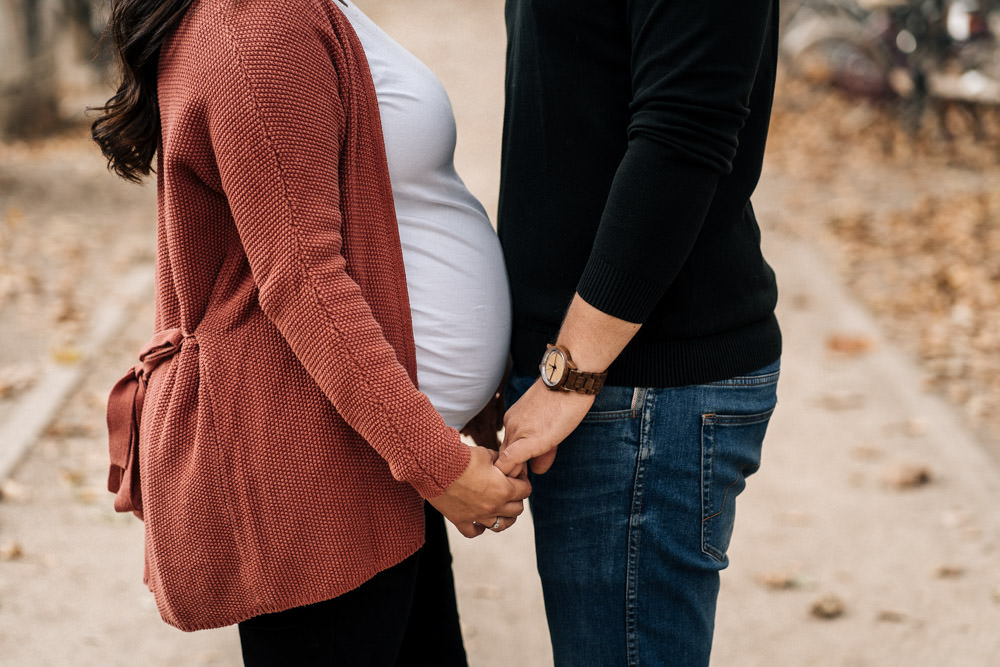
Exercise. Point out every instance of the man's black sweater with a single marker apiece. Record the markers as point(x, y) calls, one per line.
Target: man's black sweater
point(634, 134)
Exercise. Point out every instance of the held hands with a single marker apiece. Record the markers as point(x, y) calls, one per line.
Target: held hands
point(483, 497)
point(543, 418)
point(491, 491)
point(535, 426)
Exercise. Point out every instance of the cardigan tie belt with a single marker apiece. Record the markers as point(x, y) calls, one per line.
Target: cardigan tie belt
point(124, 414)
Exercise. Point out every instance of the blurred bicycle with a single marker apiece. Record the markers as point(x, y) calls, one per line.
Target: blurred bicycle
point(915, 54)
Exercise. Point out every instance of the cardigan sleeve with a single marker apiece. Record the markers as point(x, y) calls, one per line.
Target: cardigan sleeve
point(693, 68)
point(277, 127)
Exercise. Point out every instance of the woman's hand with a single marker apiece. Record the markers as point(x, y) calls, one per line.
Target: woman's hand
point(482, 497)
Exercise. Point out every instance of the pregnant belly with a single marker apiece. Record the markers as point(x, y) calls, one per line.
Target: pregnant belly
point(460, 305)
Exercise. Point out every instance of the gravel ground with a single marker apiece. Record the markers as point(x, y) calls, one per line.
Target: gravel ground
point(67, 235)
point(913, 224)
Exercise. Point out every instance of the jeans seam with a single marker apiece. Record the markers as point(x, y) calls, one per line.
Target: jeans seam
point(707, 452)
point(643, 401)
point(747, 380)
point(608, 416)
point(638, 398)
point(714, 419)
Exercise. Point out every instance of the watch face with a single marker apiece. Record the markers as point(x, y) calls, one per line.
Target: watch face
point(553, 366)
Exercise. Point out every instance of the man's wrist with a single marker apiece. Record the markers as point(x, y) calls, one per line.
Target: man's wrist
point(588, 358)
point(559, 372)
point(595, 337)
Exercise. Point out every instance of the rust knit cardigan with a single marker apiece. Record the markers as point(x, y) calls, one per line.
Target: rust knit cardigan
point(285, 447)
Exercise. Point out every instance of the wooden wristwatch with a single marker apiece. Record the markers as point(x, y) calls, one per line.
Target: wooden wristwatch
point(559, 373)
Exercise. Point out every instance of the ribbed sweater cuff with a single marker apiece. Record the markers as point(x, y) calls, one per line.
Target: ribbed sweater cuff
point(432, 476)
point(617, 292)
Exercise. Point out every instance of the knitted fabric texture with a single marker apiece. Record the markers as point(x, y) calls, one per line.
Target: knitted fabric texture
point(285, 447)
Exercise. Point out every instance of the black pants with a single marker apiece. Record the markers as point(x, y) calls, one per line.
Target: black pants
point(405, 615)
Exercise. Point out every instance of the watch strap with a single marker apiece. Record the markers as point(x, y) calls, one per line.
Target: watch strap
point(584, 382)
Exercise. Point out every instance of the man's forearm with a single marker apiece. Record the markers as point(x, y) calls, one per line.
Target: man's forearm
point(594, 338)
point(541, 419)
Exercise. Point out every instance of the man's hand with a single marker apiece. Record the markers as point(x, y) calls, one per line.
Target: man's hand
point(536, 424)
point(482, 496)
point(543, 418)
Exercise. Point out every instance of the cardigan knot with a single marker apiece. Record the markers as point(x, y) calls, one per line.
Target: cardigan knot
point(124, 414)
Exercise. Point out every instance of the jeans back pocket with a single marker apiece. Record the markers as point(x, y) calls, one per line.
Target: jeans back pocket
point(614, 403)
point(731, 448)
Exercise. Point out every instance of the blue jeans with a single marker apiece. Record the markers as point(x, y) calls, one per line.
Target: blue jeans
point(633, 520)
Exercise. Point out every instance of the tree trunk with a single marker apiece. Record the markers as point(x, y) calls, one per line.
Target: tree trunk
point(49, 51)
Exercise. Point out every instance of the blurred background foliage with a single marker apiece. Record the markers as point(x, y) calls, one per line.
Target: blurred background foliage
point(920, 60)
point(52, 60)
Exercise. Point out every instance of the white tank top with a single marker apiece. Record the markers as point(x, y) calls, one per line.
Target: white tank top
point(455, 275)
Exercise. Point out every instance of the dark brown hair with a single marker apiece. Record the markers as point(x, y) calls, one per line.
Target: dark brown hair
point(128, 129)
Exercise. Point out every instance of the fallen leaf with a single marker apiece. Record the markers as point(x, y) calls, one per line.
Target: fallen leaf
point(827, 607)
point(15, 379)
point(866, 452)
point(949, 572)
point(856, 479)
point(11, 490)
point(911, 428)
point(852, 345)
point(915, 428)
point(67, 355)
point(800, 301)
point(907, 476)
point(89, 495)
point(11, 551)
point(14, 217)
point(890, 616)
point(973, 532)
point(841, 400)
point(73, 478)
point(66, 310)
point(69, 430)
point(96, 399)
point(781, 581)
point(796, 518)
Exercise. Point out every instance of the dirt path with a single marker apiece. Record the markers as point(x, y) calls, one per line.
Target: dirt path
point(869, 497)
